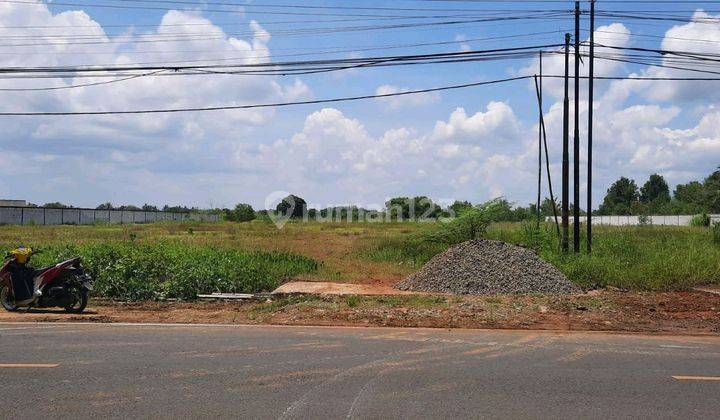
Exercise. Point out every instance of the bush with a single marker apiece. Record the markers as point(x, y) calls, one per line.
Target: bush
point(132, 271)
point(644, 220)
point(421, 247)
point(701, 220)
point(716, 233)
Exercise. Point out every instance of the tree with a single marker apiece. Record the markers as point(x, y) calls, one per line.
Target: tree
point(425, 208)
point(655, 190)
point(690, 193)
point(148, 207)
point(458, 207)
point(292, 206)
point(620, 198)
point(405, 208)
point(546, 208)
point(177, 209)
point(502, 210)
point(242, 213)
point(56, 205)
point(398, 208)
point(105, 206)
point(712, 192)
point(524, 213)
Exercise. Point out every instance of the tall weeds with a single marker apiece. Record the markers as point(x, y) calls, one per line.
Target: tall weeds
point(139, 271)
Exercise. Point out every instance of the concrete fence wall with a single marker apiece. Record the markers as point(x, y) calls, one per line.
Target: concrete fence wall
point(45, 216)
point(635, 220)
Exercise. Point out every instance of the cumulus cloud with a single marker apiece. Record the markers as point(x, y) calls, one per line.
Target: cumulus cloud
point(615, 34)
point(331, 156)
point(697, 36)
point(155, 145)
point(333, 150)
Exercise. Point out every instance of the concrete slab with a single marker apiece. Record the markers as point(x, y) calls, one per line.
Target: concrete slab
point(340, 289)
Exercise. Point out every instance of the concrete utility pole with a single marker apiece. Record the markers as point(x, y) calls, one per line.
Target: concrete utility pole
point(576, 137)
point(591, 90)
point(540, 144)
point(566, 153)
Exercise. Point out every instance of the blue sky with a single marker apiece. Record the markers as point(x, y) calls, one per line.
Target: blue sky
point(473, 144)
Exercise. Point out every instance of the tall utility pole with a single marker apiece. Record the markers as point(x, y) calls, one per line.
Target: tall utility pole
point(576, 137)
point(566, 153)
point(540, 144)
point(591, 83)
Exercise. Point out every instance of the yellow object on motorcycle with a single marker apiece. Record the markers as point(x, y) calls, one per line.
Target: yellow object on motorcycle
point(22, 254)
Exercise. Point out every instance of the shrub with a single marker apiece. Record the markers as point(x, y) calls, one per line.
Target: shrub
point(421, 247)
point(716, 233)
point(136, 271)
point(701, 220)
point(644, 220)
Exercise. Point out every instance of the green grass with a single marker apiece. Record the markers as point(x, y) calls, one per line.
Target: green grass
point(170, 269)
point(179, 260)
point(636, 258)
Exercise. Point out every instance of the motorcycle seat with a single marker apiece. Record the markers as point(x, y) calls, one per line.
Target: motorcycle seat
point(40, 271)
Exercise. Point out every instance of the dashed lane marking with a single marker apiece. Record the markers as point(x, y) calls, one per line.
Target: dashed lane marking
point(28, 365)
point(696, 378)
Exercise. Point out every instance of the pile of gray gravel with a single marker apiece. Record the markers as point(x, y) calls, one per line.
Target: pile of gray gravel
point(483, 267)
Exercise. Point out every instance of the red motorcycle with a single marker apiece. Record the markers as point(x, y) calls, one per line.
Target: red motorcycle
point(64, 285)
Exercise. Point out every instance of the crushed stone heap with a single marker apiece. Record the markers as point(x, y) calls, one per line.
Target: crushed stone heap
point(484, 267)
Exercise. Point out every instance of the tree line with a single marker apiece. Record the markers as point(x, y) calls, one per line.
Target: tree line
point(696, 197)
point(623, 197)
point(110, 206)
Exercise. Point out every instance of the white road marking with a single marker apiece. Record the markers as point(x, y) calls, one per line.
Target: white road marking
point(674, 346)
point(696, 378)
point(28, 365)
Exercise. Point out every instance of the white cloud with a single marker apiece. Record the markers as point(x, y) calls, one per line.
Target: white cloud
point(497, 124)
point(331, 157)
point(464, 46)
point(196, 144)
point(615, 34)
point(697, 37)
point(335, 157)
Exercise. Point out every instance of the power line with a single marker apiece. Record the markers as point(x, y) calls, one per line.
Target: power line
point(344, 99)
point(304, 30)
point(287, 64)
point(208, 10)
point(141, 39)
point(106, 82)
point(356, 49)
point(271, 105)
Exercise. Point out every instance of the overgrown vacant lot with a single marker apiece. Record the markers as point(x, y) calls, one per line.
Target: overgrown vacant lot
point(635, 258)
point(139, 262)
point(179, 260)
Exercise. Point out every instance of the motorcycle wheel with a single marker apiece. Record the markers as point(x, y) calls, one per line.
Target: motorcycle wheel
point(80, 301)
point(6, 300)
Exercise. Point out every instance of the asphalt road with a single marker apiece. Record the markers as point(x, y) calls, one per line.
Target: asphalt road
point(120, 371)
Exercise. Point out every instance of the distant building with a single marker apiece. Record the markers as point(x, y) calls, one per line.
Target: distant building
point(13, 203)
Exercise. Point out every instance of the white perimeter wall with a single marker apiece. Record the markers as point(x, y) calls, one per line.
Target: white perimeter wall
point(635, 220)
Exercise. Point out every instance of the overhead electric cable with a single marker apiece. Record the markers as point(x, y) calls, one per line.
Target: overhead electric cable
point(269, 105)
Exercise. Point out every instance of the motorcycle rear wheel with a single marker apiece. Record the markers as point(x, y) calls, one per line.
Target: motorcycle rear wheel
point(6, 300)
point(80, 302)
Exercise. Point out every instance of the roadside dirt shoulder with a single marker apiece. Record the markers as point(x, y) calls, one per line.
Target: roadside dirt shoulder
point(676, 313)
